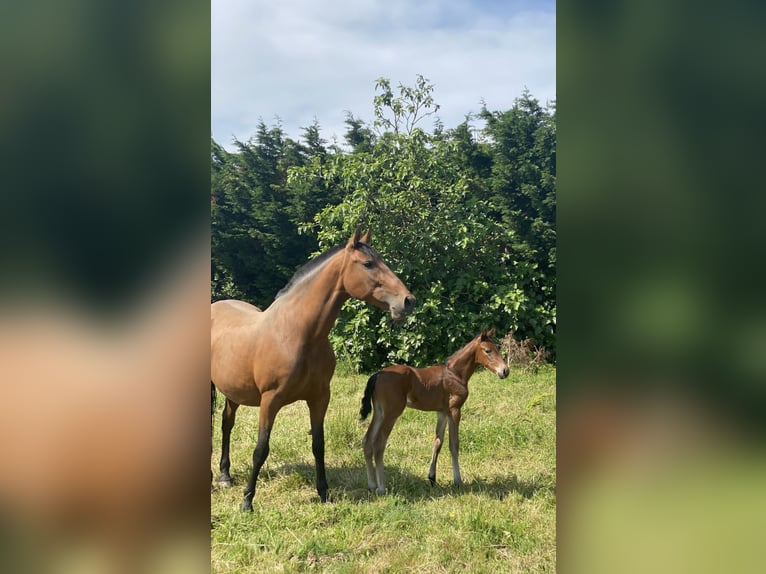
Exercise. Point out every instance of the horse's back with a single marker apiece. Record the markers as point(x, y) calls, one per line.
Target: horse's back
point(231, 316)
point(232, 311)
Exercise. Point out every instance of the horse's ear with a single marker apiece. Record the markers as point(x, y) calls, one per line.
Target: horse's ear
point(483, 334)
point(367, 237)
point(491, 333)
point(354, 241)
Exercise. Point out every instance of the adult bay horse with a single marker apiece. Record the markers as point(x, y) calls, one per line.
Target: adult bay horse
point(441, 388)
point(281, 355)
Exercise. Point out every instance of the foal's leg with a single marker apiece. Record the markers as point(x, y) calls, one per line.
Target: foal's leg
point(454, 443)
point(387, 416)
point(317, 411)
point(268, 411)
point(441, 424)
point(367, 446)
point(227, 423)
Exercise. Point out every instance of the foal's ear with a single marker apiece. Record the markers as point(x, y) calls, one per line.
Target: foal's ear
point(353, 243)
point(486, 335)
point(367, 237)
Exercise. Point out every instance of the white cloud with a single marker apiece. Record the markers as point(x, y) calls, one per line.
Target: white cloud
point(306, 59)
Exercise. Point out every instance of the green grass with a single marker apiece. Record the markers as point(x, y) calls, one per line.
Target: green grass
point(501, 520)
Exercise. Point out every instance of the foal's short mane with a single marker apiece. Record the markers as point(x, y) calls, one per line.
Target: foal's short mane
point(455, 354)
point(316, 263)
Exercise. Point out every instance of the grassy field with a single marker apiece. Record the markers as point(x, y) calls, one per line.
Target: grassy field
point(501, 520)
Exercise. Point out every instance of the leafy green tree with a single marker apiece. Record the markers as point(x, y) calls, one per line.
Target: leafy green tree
point(523, 176)
point(358, 135)
point(465, 216)
point(522, 190)
point(402, 112)
point(421, 194)
point(255, 241)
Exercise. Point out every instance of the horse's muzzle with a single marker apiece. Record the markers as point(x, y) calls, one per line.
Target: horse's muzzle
point(409, 303)
point(398, 312)
point(502, 373)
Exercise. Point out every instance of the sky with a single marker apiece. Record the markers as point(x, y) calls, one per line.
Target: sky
point(306, 60)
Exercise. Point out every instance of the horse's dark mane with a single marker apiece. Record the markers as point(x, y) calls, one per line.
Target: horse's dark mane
point(307, 268)
point(318, 261)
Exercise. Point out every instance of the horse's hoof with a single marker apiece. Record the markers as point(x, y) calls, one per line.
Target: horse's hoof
point(432, 480)
point(246, 506)
point(224, 484)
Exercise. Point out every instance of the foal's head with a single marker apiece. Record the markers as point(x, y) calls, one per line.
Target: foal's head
point(487, 354)
point(368, 278)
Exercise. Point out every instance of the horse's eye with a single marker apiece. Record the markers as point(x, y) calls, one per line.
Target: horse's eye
point(368, 264)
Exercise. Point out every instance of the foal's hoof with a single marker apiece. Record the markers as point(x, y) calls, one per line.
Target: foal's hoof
point(224, 481)
point(247, 506)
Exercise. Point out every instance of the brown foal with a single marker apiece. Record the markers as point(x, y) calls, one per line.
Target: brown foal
point(441, 388)
point(281, 355)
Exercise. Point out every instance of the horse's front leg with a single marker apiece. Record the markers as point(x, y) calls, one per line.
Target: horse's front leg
point(317, 411)
point(454, 443)
point(441, 424)
point(268, 411)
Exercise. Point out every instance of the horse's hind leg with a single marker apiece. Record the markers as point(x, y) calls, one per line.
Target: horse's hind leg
point(227, 423)
point(441, 424)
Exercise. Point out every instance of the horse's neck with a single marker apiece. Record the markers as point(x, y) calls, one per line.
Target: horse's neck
point(312, 307)
point(463, 362)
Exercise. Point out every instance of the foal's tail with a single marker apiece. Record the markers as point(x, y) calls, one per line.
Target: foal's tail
point(367, 398)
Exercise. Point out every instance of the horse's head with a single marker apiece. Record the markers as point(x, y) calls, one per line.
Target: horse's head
point(488, 355)
point(368, 278)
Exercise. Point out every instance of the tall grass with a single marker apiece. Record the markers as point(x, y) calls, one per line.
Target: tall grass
point(501, 520)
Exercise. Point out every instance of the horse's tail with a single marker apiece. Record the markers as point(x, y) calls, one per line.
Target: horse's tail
point(367, 398)
point(212, 402)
